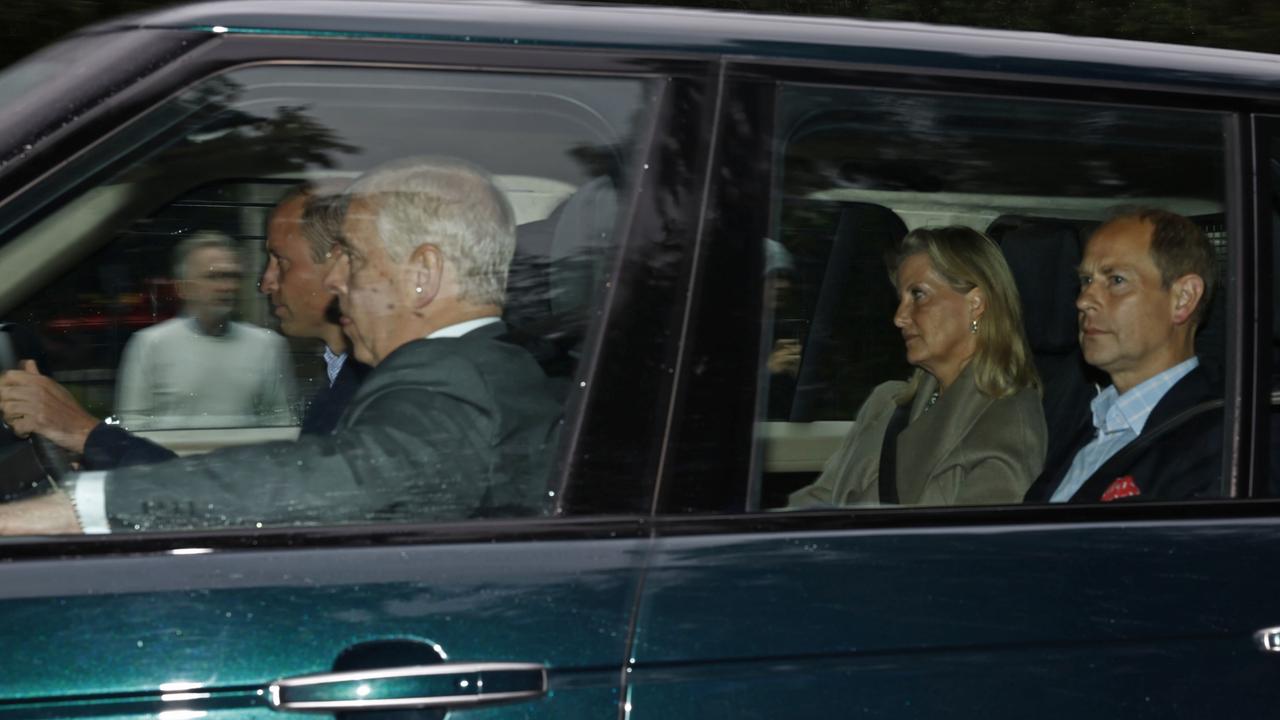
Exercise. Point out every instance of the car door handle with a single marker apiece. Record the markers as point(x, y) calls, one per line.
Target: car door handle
point(1268, 639)
point(416, 686)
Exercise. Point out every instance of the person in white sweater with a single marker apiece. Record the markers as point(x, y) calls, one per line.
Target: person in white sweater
point(202, 369)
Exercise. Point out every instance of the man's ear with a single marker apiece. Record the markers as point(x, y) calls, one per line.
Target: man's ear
point(426, 263)
point(1186, 293)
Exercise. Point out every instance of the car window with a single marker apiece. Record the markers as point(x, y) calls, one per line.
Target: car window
point(147, 281)
point(870, 322)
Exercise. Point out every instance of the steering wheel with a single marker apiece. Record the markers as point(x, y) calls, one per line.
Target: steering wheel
point(25, 463)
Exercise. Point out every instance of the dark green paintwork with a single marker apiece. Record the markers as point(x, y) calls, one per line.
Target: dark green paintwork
point(122, 629)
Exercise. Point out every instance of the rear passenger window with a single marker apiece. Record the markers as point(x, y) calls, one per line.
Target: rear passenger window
point(889, 209)
point(158, 295)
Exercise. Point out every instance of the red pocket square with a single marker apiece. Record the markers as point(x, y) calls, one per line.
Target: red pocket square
point(1121, 487)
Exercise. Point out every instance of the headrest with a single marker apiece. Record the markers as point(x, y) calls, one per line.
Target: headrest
point(1043, 256)
point(582, 239)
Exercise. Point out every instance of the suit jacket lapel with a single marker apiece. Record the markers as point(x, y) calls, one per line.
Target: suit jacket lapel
point(933, 436)
point(1052, 476)
point(1188, 391)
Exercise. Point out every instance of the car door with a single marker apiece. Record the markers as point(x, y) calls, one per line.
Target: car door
point(601, 156)
point(1137, 610)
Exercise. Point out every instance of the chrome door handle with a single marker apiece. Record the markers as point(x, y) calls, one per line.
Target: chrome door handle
point(417, 686)
point(1268, 639)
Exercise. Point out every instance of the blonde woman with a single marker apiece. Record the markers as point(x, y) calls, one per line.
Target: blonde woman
point(967, 428)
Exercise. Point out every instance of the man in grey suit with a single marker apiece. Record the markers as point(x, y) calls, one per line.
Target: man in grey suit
point(452, 423)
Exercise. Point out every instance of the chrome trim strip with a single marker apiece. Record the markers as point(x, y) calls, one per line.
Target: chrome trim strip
point(421, 702)
point(410, 671)
point(277, 702)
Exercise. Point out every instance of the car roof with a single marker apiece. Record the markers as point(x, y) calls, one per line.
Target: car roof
point(796, 37)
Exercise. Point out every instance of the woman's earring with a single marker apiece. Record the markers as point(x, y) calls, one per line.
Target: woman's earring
point(419, 289)
point(973, 326)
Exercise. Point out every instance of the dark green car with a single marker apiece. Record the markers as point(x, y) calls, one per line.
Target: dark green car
point(702, 203)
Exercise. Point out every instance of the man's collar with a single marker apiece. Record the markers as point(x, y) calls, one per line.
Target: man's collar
point(1114, 411)
point(462, 328)
point(333, 363)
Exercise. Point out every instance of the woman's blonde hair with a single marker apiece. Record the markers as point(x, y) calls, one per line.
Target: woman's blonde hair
point(967, 259)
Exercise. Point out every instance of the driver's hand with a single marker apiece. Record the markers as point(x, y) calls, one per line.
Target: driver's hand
point(33, 403)
point(50, 514)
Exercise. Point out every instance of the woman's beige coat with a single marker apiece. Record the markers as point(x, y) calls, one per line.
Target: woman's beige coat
point(969, 449)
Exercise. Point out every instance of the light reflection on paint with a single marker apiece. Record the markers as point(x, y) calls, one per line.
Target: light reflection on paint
point(180, 686)
point(179, 697)
point(181, 714)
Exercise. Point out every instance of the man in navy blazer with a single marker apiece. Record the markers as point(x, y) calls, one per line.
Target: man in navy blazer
point(1155, 433)
point(300, 234)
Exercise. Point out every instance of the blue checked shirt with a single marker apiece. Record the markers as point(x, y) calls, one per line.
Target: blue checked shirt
point(333, 363)
point(1119, 420)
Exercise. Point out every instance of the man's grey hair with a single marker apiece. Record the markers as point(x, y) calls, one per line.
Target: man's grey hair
point(452, 204)
point(199, 240)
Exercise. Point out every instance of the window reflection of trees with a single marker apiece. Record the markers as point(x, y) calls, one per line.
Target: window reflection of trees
point(221, 138)
point(904, 142)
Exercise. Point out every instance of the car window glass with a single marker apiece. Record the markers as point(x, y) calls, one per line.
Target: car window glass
point(843, 348)
point(158, 296)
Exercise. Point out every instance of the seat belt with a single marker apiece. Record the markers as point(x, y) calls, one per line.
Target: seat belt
point(889, 455)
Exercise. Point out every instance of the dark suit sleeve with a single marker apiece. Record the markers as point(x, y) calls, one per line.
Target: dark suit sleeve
point(411, 453)
point(109, 447)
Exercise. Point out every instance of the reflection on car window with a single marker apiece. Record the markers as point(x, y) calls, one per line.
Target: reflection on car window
point(404, 262)
point(902, 221)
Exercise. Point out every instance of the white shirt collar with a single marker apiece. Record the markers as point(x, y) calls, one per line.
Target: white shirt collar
point(462, 328)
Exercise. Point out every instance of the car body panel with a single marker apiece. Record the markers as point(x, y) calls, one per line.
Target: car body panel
point(130, 629)
point(1101, 620)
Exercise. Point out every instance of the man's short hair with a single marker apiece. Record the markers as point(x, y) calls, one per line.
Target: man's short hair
point(198, 241)
point(1178, 247)
point(322, 213)
point(452, 204)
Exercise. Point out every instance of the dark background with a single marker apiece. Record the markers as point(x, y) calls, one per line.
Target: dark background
point(1242, 24)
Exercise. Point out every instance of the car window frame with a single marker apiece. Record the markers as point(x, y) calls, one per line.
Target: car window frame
point(1259, 285)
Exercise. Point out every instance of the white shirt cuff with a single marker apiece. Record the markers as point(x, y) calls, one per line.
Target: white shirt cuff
point(90, 500)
